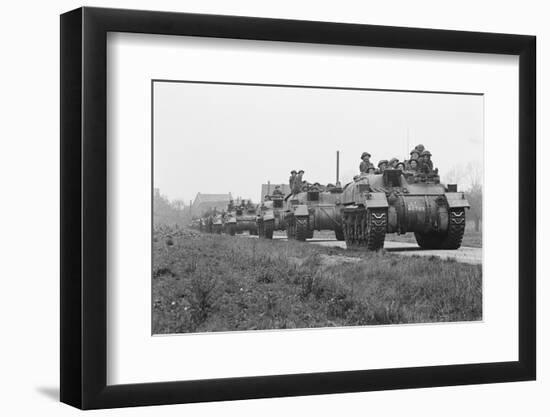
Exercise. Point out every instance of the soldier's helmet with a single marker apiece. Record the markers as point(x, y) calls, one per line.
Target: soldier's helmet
point(415, 151)
point(393, 160)
point(426, 153)
point(370, 169)
point(365, 154)
point(383, 161)
point(402, 164)
point(293, 171)
point(420, 148)
point(301, 171)
point(415, 160)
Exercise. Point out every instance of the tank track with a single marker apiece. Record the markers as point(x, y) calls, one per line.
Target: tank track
point(301, 228)
point(268, 227)
point(297, 228)
point(261, 228)
point(365, 228)
point(290, 229)
point(231, 230)
point(455, 233)
point(450, 240)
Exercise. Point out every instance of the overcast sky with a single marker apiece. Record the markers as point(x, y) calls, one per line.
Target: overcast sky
point(231, 138)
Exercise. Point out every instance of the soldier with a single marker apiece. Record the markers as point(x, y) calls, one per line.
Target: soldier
point(292, 178)
point(365, 163)
point(382, 165)
point(427, 165)
point(393, 163)
point(297, 183)
point(413, 165)
point(277, 190)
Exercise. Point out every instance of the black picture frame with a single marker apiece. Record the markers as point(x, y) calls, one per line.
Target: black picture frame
point(84, 207)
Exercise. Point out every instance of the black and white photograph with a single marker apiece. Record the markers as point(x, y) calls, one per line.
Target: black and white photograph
point(292, 207)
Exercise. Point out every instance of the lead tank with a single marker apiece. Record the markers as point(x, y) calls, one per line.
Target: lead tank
point(391, 202)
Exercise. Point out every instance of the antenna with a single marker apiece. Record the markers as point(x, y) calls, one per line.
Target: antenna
point(408, 146)
point(337, 166)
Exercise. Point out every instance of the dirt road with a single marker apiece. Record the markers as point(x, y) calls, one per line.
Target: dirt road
point(464, 254)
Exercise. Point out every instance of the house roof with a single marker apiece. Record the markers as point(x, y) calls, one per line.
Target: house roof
point(204, 198)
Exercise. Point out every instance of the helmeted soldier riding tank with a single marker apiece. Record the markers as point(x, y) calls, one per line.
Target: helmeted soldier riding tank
point(365, 162)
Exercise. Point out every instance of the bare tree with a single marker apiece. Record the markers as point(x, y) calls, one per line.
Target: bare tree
point(469, 178)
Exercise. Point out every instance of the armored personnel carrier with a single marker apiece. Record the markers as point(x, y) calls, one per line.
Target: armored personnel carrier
point(270, 216)
point(391, 202)
point(314, 209)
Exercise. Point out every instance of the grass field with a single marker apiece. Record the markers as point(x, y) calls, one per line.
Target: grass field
point(207, 282)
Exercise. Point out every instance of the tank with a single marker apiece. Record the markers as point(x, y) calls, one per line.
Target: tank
point(314, 209)
point(270, 216)
point(392, 202)
point(245, 219)
point(217, 223)
point(230, 221)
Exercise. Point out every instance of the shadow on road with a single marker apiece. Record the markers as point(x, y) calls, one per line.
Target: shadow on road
point(404, 249)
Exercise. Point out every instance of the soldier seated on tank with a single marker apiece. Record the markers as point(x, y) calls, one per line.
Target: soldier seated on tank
point(292, 178)
point(297, 183)
point(393, 163)
point(427, 165)
point(382, 165)
point(415, 155)
point(413, 165)
point(277, 190)
point(365, 162)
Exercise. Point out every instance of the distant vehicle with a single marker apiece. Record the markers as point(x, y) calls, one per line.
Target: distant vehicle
point(270, 216)
point(393, 202)
point(245, 219)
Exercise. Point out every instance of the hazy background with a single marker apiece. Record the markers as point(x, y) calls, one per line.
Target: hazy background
point(230, 138)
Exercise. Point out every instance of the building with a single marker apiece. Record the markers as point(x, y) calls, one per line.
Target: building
point(205, 202)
